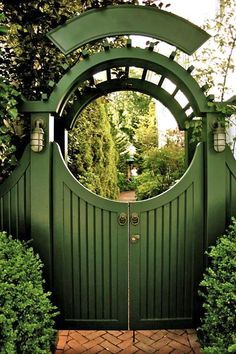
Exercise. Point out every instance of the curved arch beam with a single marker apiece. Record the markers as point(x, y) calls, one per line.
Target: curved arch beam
point(128, 19)
point(125, 85)
point(115, 58)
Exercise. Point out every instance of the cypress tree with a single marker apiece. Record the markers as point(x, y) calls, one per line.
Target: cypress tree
point(92, 152)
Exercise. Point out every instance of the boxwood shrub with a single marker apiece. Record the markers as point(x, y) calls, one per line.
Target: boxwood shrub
point(218, 289)
point(26, 313)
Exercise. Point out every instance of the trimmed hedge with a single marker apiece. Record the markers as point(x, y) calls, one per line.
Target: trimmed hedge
point(218, 329)
point(26, 313)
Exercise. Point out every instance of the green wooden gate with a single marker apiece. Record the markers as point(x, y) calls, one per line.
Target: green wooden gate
point(127, 265)
point(110, 264)
point(90, 254)
point(167, 260)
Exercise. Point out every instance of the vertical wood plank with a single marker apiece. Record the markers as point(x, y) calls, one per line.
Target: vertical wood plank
point(68, 252)
point(114, 266)
point(189, 255)
point(83, 259)
point(151, 254)
point(143, 265)
point(181, 254)
point(166, 260)
point(173, 259)
point(22, 208)
point(91, 261)
point(106, 265)
point(76, 256)
point(99, 263)
point(158, 264)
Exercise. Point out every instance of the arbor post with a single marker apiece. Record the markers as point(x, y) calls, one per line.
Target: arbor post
point(41, 194)
point(215, 184)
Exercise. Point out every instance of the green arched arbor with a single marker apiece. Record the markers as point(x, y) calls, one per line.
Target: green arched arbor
point(114, 264)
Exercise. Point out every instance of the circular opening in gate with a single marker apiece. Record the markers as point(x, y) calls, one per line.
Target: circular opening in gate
point(126, 146)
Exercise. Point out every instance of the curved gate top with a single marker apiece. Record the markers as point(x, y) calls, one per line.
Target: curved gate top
point(128, 19)
point(113, 264)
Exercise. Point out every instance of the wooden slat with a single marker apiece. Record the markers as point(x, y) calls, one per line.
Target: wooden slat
point(151, 255)
point(158, 264)
point(114, 266)
point(76, 255)
point(189, 246)
point(68, 253)
point(166, 261)
point(98, 264)
point(173, 259)
point(91, 262)
point(143, 266)
point(83, 259)
point(181, 253)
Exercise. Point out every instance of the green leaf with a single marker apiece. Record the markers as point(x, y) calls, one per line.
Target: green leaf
point(13, 113)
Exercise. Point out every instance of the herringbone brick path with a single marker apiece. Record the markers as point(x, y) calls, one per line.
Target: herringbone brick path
point(104, 342)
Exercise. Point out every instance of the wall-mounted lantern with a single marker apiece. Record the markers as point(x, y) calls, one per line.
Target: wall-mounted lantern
point(219, 138)
point(37, 137)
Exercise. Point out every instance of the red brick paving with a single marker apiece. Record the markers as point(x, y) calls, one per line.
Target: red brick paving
point(104, 342)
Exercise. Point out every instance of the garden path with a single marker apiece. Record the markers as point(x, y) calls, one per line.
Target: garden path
point(128, 196)
point(149, 341)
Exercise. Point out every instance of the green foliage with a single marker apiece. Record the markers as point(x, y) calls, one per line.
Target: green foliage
point(126, 110)
point(32, 61)
point(215, 61)
point(92, 154)
point(26, 313)
point(161, 167)
point(11, 129)
point(148, 185)
point(194, 128)
point(218, 330)
point(125, 184)
point(131, 115)
point(146, 135)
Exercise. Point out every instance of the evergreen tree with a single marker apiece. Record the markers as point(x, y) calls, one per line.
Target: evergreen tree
point(92, 152)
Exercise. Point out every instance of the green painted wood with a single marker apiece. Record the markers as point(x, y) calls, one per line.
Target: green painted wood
point(127, 19)
point(15, 200)
point(120, 57)
point(166, 263)
point(123, 85)
point(41, 196)
point(90, 253)
point(173, 257)
point(215, 194)
point(230, 185)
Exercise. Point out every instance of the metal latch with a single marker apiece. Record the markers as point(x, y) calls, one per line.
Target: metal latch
point(134, 238)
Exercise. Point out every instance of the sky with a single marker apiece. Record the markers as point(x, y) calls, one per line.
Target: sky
point(196, 11)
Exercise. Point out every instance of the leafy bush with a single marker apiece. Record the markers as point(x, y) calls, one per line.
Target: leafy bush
point(217, 331)
point(11, 129)
point(161, 168)
point(26, 314)
point(148, 186)
point(125, 184)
